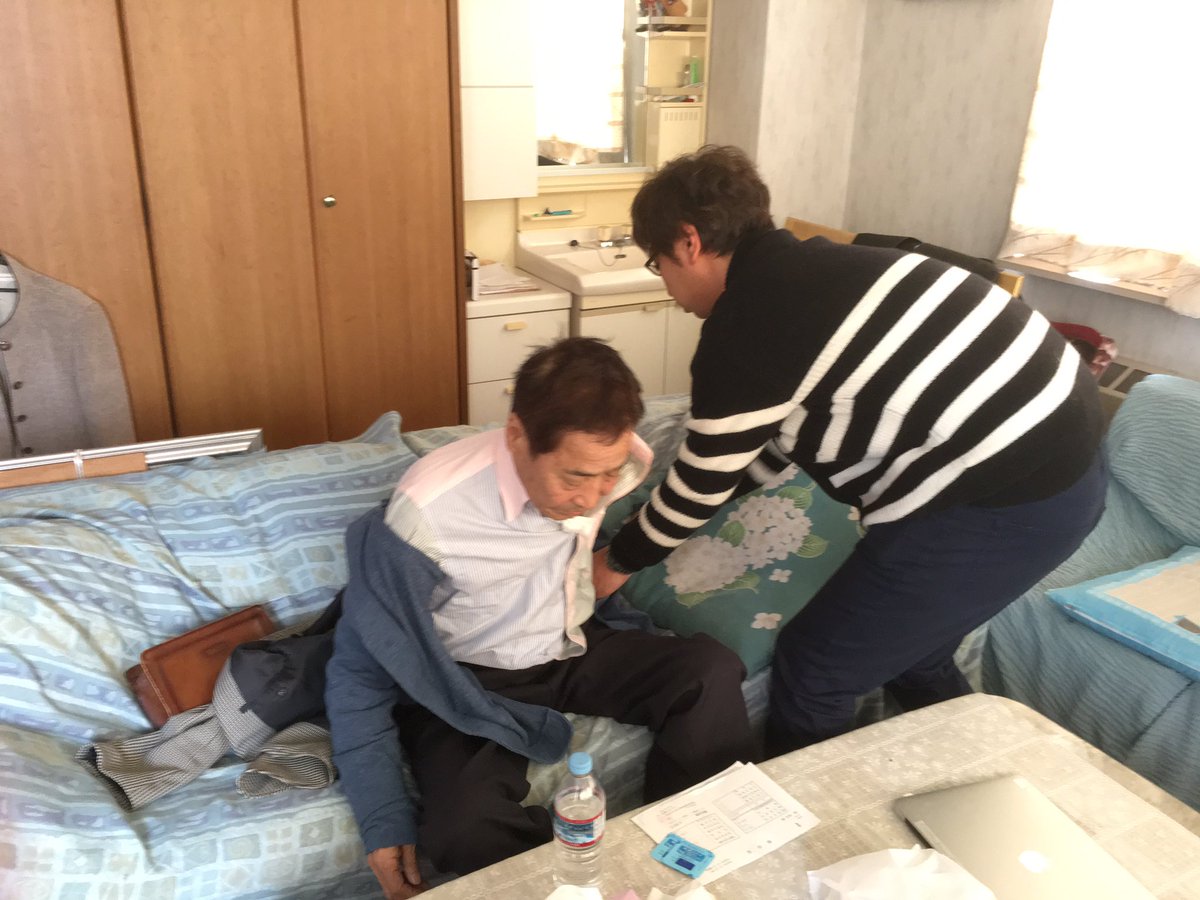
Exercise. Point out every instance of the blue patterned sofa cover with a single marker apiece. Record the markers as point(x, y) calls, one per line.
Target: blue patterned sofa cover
point(92, 573)
point(1137, 710)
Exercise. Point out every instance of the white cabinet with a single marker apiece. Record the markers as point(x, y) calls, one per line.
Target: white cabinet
point(495, 43)
point(502, 330)
point(654, 336)
point(638, 333)
point(499, 131)
point(499, 148)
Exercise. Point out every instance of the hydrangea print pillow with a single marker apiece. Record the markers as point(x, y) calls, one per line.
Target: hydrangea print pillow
point(750, 569)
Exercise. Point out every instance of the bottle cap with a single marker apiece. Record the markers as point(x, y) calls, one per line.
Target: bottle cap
point(580, 763)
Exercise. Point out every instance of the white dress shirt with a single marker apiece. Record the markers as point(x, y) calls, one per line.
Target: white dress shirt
point(517, 586)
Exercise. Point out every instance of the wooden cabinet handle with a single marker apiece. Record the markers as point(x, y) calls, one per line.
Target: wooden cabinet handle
point(515, 326)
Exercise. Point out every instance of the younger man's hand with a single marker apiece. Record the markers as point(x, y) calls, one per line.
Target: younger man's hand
point(397, 871)
point(607, 581)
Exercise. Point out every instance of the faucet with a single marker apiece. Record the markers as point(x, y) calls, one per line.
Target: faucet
point(626, 240)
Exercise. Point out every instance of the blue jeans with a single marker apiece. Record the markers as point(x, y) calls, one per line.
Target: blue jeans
point(897, 609)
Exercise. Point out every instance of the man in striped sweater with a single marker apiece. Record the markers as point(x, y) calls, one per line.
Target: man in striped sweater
point(957, 420)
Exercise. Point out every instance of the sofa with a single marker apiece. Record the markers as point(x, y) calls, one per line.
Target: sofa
point(93, 572)
point(1133, 706)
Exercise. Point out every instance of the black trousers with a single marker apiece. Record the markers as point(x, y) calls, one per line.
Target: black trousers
point(686, 690)
point(897, 609)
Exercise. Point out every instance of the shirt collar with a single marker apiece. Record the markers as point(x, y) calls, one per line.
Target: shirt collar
point(512, 491)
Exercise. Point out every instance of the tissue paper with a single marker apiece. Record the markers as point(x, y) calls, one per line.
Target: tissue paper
point(915, 874)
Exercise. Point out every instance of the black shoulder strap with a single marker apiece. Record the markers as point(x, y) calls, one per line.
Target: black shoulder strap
point(976, 264)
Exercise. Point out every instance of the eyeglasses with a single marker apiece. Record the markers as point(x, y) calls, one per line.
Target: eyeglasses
point(652, 265)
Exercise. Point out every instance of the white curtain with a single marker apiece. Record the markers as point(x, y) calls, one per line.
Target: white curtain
point(1110, 181)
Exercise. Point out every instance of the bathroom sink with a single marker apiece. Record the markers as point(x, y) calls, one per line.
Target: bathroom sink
point(599, 260)
point(585, 269)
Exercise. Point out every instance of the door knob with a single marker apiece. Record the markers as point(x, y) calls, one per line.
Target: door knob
point(330, 201)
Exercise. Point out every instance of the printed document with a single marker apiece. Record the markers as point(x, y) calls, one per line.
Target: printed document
point(495, 278)
point(739, 815)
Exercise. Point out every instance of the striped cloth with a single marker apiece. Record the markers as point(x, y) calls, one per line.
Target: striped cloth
point(139, 770)
point(899, 383)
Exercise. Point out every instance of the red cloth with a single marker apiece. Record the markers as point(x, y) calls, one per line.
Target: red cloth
point(1097, 350)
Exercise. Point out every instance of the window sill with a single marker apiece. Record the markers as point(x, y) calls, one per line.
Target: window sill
point(1053, 272)
point(570, 179)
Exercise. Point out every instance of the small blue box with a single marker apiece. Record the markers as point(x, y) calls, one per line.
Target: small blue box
point(682, 856)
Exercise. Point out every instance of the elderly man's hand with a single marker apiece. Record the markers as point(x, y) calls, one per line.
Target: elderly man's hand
point(606, 581)
point(397, 871)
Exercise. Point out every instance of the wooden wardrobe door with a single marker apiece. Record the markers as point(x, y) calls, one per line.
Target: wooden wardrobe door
point(218, 105)
point(70, 202)
point(378, 101)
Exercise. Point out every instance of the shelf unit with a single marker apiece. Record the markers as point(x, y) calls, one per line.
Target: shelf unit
point(552, 217)
point(691, 90)
point(670, 113)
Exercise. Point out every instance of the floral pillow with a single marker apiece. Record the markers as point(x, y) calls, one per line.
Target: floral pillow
point(750, 569)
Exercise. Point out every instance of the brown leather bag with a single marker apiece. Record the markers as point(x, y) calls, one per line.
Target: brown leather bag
point(180, 674)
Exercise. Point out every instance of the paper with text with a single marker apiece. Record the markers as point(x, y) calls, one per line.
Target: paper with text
point(740, 815)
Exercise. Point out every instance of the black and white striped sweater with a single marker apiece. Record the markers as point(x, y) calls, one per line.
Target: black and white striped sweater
point(899, 383)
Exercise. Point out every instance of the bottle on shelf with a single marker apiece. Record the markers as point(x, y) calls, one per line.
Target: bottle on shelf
point(579, 825)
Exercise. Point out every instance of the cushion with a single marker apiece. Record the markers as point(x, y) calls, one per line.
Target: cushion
point(750, 569)
point(663, 428)
point(1153, 608)
point(429, 439)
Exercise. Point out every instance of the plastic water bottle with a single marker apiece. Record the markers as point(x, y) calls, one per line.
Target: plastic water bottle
point(578, 824)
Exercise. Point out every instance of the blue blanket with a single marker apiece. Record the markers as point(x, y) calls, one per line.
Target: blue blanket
point(1135, 709)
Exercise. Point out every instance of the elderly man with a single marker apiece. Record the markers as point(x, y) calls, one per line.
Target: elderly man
point(467, 629)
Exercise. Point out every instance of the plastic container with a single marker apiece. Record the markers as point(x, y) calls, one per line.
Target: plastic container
point(579, 825)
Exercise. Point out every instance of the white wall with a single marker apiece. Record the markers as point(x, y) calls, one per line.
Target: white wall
point(785, 87)
point(945, 93)
point(907, 117)
point(735, 62)
point(810, 91)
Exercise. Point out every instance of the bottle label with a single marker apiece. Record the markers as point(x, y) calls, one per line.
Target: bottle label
point(579, 833)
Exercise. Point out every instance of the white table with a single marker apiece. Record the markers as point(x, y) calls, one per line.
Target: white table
point(850, 782)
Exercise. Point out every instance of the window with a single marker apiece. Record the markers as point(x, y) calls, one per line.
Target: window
point(1109, 190)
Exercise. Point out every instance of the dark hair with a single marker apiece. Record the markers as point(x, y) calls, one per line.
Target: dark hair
point(716, 189)
point(576, 384)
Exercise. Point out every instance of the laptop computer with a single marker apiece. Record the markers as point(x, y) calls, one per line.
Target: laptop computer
point(1011, 837)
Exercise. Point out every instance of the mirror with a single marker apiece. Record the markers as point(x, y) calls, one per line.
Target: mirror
point(582, 84)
